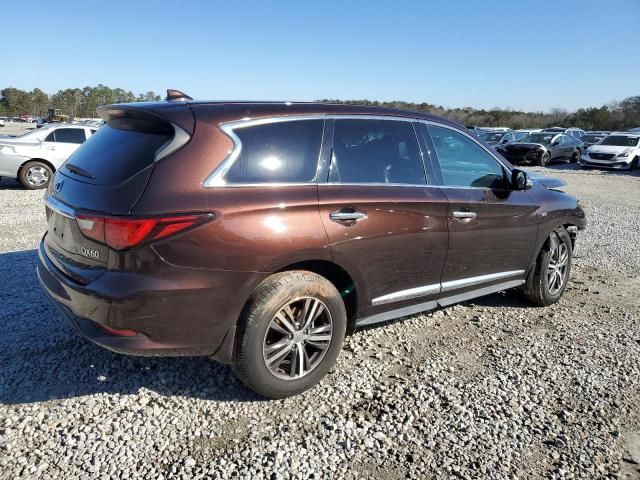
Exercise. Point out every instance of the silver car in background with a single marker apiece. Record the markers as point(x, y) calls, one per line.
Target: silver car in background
point(32, 158)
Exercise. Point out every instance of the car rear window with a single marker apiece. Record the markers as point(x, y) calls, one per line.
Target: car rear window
point(120, 149)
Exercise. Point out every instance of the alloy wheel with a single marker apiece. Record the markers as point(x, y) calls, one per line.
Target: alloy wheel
point(557, 270)
point(37, 176)
point(297, 338)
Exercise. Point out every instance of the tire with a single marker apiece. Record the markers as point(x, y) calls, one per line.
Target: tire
point(35, 175)
point(635, 164)
point(539, 289)
point(575, 158)
point(545, 159)
point(261, 328)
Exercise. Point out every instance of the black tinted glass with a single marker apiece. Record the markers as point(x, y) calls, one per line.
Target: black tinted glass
point(277, 152)
point(463, 162)
point(51, 137)
point(70, 135)
point(120, 149)
point(376, 151)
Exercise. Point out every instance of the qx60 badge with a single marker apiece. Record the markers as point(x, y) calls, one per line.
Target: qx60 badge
point(89, 252)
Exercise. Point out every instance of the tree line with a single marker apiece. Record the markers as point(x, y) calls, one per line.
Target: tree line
point(621, 115)
point(82, 102)
point(74, 102)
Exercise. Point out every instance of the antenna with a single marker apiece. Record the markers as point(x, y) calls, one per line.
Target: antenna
point(176, 96)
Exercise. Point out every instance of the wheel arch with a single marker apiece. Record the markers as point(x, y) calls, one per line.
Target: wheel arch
point(338, 276)
point(41, 160)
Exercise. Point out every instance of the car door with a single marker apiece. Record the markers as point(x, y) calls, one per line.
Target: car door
point(384, 216)
point(492, 228)
point(61, 143)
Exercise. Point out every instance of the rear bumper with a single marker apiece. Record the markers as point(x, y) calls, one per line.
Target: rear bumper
point(10, 164)
point(177, 312)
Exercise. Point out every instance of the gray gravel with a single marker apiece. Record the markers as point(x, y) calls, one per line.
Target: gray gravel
point(489, 389)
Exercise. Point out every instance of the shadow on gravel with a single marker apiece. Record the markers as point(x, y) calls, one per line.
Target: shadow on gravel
point(10, 184)
point(42, 358)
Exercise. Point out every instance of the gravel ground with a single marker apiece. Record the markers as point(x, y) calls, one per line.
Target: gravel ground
point(489, 389)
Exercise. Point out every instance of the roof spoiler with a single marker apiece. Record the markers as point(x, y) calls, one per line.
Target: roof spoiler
point(176, 96)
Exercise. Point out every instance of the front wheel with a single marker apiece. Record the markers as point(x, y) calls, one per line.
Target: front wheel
point(545, 159)
point(290, 334)
point(35, 175)
point(548, 280)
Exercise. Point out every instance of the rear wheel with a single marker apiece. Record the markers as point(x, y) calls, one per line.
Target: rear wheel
point(548, 280)
point(290, 334)
point(35, 175)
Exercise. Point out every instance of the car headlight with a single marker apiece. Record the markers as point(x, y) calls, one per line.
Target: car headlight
point(623, 154)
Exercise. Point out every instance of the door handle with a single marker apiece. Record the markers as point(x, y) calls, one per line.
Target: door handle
point(346, 215)
point(459, 214)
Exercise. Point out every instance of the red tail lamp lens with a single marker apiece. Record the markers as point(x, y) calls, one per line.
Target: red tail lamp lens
point(121, 233)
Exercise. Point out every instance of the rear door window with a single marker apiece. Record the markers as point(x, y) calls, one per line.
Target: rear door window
point(280, 152)
point(376, 151)
point(463, 162)
point(120, 149)
point(69, 135)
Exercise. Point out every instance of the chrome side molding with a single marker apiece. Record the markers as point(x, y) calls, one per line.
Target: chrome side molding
point(442, 287)
point(443, 302)
point(59, 207)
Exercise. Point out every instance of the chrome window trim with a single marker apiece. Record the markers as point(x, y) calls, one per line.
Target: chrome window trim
point(216, 178)
point(59, 207)
point(378, 184)
point(442, 287)
point(180, 138)
point(470, 137)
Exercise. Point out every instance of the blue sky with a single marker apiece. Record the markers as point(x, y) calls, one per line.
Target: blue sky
point(532, 55)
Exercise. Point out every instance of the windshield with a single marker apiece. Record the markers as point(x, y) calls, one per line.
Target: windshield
point(591, 138)
point(543, 138)
point(620, 141)
point(519, 135)
point(491, 136)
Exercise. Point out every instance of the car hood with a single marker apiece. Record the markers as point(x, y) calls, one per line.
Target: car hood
point(520, 146)
point(548, 182)
point(609, 149)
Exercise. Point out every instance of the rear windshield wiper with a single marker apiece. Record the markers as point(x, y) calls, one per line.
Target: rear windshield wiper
point(79, 171)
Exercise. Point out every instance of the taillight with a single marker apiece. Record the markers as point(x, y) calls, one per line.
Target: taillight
point(121, 233)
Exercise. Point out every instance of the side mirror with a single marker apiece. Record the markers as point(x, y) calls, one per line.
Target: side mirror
point(555, 144)
point(519, 180)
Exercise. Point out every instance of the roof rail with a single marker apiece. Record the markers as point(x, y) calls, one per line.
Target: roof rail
point(176, 96)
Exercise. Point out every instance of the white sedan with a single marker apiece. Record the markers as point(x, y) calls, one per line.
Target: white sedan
point(32, 158)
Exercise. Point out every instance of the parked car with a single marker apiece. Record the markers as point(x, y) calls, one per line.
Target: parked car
point(32, 158)
point(496, 137)
point(2, 121)
point(543, 148)
point(620, 150)
point(573, 131)
point(590, 139)
point(634, 130)
point(258, 233)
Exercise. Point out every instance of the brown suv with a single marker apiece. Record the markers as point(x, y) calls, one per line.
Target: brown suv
point(259, 233)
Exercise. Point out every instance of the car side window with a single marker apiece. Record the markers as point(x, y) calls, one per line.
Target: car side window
point(70, 135)
point(463, 162)
point(376, 151)
point(51, 137)
point(280, 152)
